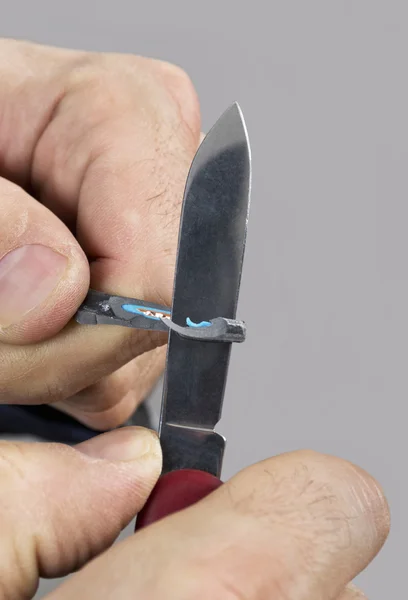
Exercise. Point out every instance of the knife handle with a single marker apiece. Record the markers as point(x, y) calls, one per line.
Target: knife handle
point(173, 492)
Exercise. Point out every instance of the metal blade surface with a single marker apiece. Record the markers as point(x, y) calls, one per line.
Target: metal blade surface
point(208, 274)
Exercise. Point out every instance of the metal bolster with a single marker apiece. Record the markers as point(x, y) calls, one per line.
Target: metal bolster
point(191, 448)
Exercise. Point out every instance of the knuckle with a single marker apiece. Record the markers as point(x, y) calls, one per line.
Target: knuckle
point(107, 87)
point(133, 81)
point(174, 71)
point(183, 92)
point(179, 79)
point(47, 385)
point(29, 378)
point(106, 94)
point(18, 367)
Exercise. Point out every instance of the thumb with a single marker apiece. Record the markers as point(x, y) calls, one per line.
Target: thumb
point(60, 506)
point(44, 274)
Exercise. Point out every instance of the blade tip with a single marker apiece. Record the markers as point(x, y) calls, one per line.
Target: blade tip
point(230, 125)
point(236, 111)
point(236, 107)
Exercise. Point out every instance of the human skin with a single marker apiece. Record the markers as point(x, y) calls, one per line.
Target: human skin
point(299, 526)
point(94, 153)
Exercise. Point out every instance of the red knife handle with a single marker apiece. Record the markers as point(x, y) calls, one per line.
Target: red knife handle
point(173, 492)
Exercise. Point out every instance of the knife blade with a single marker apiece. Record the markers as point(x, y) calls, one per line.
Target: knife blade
point(211, 248)
point(208, 274)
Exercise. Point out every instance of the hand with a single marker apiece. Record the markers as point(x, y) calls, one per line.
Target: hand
point(298, 526)
point(94, 154)
point(61, 505)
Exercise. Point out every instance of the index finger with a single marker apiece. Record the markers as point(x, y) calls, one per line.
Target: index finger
point(108, 150)
point(114, 161)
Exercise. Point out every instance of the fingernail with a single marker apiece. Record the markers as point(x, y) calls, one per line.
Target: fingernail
point(126, 444)
point(27, 277)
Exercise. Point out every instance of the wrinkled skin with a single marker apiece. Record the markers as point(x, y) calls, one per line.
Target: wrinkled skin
point(94, 153)
point(104, 142)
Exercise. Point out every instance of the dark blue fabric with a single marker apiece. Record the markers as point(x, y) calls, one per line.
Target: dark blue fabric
point(52, 425)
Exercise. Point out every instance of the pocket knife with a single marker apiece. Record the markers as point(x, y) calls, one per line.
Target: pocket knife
point(201, 322)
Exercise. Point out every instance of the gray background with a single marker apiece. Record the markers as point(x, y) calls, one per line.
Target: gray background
point(323, 86)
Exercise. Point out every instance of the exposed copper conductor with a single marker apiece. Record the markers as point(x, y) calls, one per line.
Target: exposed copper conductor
point(151, 313)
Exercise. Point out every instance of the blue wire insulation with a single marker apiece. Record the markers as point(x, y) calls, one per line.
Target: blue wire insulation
point(190, 323)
